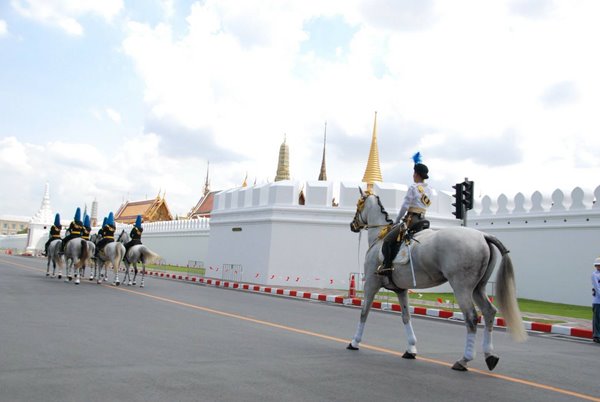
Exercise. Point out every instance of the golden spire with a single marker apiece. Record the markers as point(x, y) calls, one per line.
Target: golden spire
point(373, 171)
point(323, 173)
point(245, 183)
point(207, 183)
point(283, 167)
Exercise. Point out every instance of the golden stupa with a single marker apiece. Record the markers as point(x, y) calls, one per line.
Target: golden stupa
point(373, 170)
point(283, 166)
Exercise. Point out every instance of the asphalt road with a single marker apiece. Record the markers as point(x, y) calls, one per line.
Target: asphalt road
point(176, 341)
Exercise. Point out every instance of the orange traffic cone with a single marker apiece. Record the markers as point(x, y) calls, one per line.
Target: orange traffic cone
point(352, 290)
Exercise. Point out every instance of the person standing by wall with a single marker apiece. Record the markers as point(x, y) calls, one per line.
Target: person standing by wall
point(596, 301)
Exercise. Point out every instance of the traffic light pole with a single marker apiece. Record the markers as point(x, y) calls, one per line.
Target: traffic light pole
point(464, 208)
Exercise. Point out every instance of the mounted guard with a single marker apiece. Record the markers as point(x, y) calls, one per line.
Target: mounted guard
point(75, 229)
point(108, 233)
point(54, 233)
point(87, 228)
point(411, 218)
point(135, 234)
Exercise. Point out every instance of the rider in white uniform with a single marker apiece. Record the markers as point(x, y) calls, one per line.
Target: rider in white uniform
point(416, 202)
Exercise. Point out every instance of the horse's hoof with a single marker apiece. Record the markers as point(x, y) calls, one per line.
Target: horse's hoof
point(59, 276)
point(142, 285)
point(459, 367)
point(408, 355)
point(350, 347)
point(76, 282)
point(47, 274)
point(98, 281)
point(491, 361)
point(133, 283)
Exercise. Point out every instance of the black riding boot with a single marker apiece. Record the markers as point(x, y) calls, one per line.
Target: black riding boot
point(390, 248)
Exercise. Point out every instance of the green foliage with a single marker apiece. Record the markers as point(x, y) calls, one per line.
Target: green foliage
point(177, 268)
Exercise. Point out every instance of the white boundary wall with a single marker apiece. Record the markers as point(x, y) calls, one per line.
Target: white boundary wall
point(278, 242)
point(16, 242)
point(553, 241)
point(177, 242)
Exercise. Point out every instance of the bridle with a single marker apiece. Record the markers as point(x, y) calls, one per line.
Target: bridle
point(358, 223)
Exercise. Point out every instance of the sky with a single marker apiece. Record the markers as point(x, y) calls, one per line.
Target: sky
point(122, 100)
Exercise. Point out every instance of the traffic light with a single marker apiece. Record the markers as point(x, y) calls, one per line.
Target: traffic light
point(468, 194)
point(458, 205)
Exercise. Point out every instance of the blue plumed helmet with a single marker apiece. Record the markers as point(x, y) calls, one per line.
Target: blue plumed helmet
point(57, 220)
point(77, 217)
point(86, 221)
point(420, 169)
point(104, 221)
point(111, 219)
point(138, 222)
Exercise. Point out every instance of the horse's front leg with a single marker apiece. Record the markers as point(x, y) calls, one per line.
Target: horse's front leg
point(411, 352)
point(48, 265)
point(372, 286)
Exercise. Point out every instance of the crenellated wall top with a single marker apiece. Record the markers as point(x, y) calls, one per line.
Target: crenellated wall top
point(182, 225)
point(320, 194)
point(559, 201)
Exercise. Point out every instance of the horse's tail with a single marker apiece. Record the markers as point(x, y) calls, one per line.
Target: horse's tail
point(83, 256)
point(148, 256)
point(119, 254)
point(506, 292)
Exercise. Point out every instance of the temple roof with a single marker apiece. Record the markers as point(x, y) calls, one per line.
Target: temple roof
point(204, 207)
point(152, 210)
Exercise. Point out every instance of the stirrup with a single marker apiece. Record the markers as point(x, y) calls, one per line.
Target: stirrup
point(381, 270)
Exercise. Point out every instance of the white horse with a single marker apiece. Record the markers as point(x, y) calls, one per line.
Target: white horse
point(112, 253)
point(464, 257)
point(137, 253)
point(76, 255)
point(55, 257)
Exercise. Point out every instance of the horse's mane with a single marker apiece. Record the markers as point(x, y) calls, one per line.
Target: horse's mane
point(383, 211)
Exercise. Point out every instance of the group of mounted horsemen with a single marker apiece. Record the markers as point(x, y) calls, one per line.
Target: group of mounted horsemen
point(80, 248)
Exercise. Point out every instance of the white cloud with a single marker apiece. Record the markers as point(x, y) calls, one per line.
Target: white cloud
point(113, 115)
point(465, 70)
point(466, 82)
point(65, 13)
point(3, 28)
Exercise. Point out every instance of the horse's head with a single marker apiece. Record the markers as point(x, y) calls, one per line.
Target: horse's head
point(123, 237)
point(364, 207)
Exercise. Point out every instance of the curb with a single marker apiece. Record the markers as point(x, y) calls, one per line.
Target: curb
point(338, 299)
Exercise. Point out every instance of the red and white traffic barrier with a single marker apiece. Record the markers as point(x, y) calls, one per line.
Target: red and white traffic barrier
point(339, 299)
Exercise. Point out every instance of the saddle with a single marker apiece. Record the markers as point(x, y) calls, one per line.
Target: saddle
point(407, 240)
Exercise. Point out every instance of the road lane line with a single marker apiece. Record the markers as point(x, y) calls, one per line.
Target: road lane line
point(335, 339)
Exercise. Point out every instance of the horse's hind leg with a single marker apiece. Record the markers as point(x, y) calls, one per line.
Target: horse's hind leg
point(143, 274)
point(489, 313)
point(372, 286)
point(411, 352)
point(465, 301)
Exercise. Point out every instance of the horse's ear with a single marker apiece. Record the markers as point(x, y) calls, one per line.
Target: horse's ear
point(361, 192)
